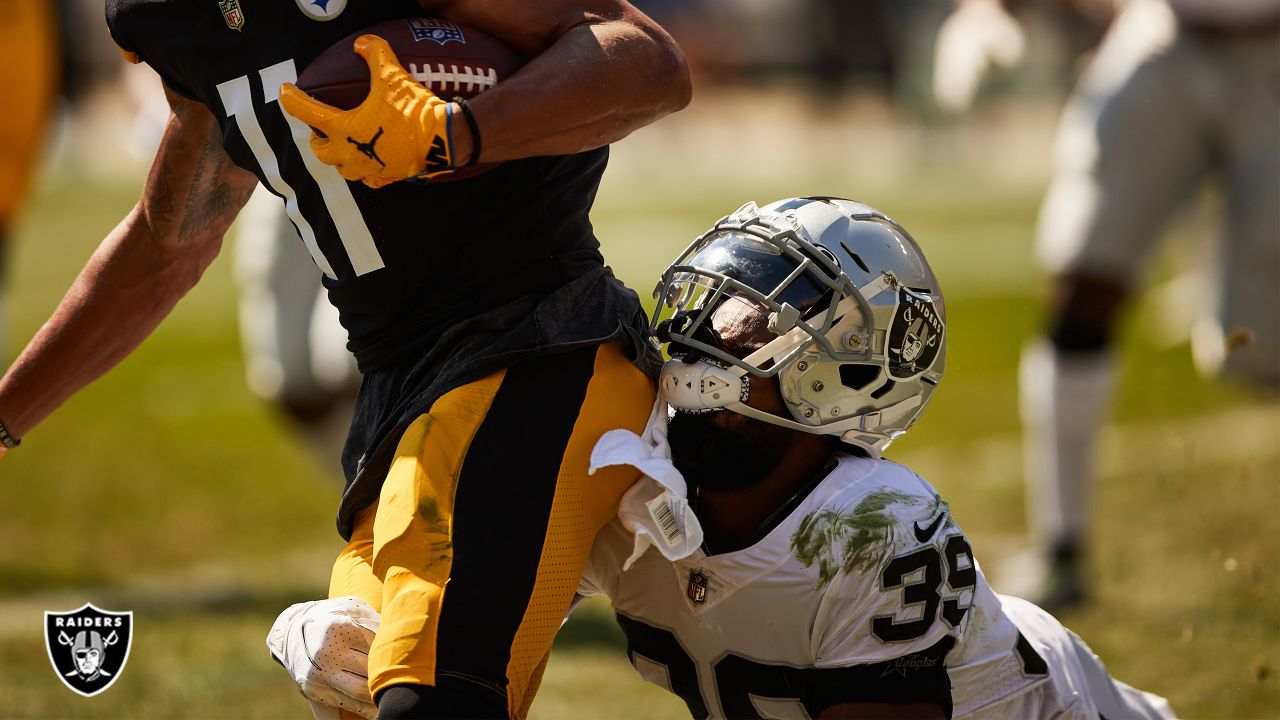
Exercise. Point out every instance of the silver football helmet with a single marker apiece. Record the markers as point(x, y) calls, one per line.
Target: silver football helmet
point(858, 316)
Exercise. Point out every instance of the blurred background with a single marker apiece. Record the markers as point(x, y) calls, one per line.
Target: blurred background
point(170, 489)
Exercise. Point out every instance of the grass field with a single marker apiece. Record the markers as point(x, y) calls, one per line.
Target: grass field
point(167, 489)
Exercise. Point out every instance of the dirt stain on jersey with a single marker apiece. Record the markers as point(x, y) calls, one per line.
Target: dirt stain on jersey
point(938, 505)
point(857, 538)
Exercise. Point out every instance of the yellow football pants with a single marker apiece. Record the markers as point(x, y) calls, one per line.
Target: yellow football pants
point(29, 36)
point(474, 548)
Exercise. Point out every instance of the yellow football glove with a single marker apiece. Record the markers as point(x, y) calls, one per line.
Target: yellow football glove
point(401, 129)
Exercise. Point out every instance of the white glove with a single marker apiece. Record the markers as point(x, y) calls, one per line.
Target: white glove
point(977, 36)
point(324, 644)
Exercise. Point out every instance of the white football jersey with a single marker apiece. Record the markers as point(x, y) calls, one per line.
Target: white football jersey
point(866, 592)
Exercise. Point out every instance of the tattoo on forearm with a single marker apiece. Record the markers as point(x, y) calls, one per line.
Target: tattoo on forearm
point(211, 197)
point(194, 188)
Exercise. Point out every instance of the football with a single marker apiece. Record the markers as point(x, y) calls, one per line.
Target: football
point(449, 59)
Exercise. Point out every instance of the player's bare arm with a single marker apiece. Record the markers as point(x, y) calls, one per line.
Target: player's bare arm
point(599, 69)
point(138, 273)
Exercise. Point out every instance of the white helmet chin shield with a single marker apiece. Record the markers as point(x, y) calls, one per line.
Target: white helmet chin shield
point(858, 316)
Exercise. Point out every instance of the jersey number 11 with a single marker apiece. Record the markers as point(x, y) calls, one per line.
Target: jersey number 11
point(237, 102)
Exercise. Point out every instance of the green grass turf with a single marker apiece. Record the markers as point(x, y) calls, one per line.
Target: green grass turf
point(167, 489)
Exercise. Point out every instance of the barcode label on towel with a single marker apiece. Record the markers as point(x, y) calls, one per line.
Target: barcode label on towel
point(662, 512)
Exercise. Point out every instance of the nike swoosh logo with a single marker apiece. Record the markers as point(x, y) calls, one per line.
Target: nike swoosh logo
point(923, 534)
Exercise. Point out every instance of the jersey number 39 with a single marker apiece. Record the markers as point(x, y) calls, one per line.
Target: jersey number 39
point(925, 590)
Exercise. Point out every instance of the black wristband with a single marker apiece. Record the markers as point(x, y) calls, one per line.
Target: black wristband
point(6, 439)
point(475, 130)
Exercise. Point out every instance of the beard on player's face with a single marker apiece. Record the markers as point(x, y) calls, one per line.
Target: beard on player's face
point(723, 451)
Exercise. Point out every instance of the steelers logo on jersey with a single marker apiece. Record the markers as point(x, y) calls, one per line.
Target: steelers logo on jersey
point(322, 10)
point(915, 336)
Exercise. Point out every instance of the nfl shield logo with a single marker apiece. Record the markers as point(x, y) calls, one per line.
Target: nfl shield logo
point(697, 587)
point(438, 30)
point(232, 13)
point(88, 647)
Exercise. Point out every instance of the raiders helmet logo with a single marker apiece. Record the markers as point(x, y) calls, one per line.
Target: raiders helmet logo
point(88, 647)
point(915, 336)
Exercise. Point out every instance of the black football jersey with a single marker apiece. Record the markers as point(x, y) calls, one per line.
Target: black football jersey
point(402, 263)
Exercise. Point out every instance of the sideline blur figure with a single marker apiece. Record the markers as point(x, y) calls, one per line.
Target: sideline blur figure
point(1180, 94)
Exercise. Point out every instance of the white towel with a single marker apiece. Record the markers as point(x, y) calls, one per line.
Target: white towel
point(656, 508)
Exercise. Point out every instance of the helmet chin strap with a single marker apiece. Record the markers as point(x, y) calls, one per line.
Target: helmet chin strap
point(703, 386)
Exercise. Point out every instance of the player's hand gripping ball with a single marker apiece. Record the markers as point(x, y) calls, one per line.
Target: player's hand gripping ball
point(379, 121)
point(400, 130)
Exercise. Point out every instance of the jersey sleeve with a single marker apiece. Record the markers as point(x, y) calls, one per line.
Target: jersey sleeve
point(117, 20)
point(588, 584)
point(885, 621)
point(893, 609)
point(600, 575)
point(141, 34)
